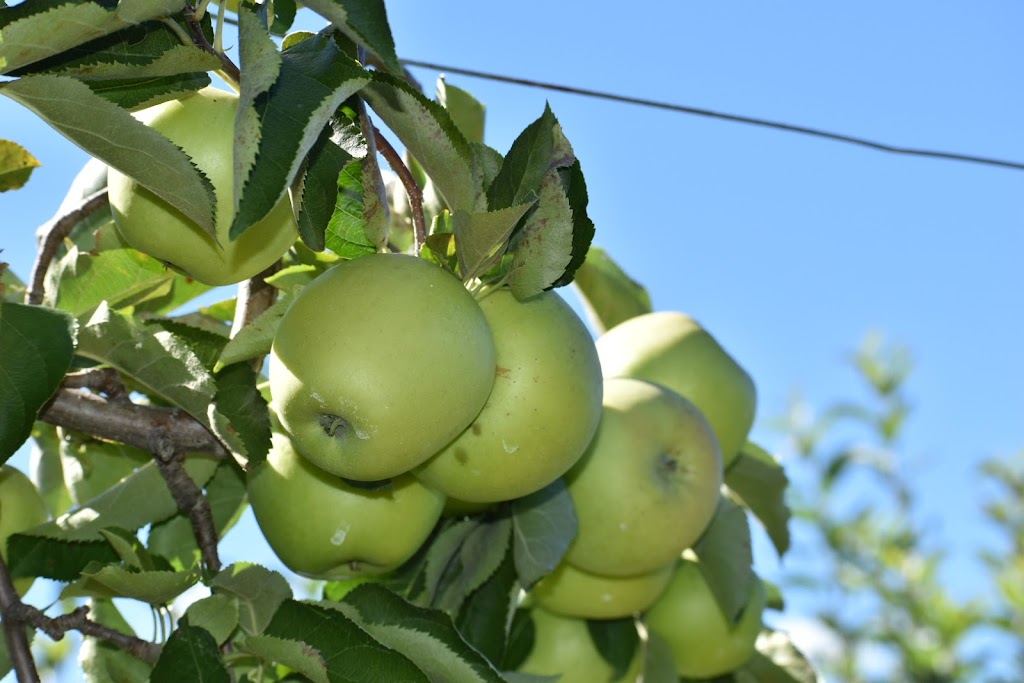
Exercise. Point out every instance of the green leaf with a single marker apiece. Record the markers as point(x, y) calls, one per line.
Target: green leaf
point(366, 23)
point(543, 245)
point(609, 294)
point(111, 134)
point(47, 469)
point(115, 581)
point(430, 135)
point(726, 559)
point(33, 31)
point(543, 526)
point(36, 348)
point(349, 653)
point(241, 403)
point(443, 555)
point(259, 592)
point(777, 661)
point(255, 339)
point(760, 483)
point(467, 113)
point(315, 78)
point(293, 654)
point(316, 193)
point(102, 662)
point(659, 667)
point(62, 548)
point(479, 556)
point(16, 165)
point(161, 363)
point(190, 654)
point(217, 614)
point(425, 636)
point(485, 617)
point(525, 165)
point(481, 238)
point(575, 186)
point(346, 231)
point(617, 641)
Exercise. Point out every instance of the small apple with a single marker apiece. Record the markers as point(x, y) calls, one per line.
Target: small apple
point(672, 349)
point(703, 642)
point(21, 508)
point(574, 592)
point(323, 528)
point(378, 364)
point(647, 486)
point(563, 645)
point(203, 126)
point(541, 413)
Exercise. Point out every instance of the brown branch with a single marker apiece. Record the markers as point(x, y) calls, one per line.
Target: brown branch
point(190, 500)
point(129, 423)
point(199, 38)
point(14, 632)
point(254, 297)
point(58, 228)
point(106, 381)
point(411, 188)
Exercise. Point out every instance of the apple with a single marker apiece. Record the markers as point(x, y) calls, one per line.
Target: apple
point(703, 642)
point(323, 528)
point(542, 411)
point(563, 645)
point(647, 486)
point(203, 126)
point(672, 349)
point(575, 592)
point(21, 508)
point(378, 364)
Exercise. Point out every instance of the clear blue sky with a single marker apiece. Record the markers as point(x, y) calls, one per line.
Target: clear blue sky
point(789, 249)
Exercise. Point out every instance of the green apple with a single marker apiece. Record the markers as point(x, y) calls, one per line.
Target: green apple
point(21, 508)
point(378, 364)
point(672, 349)
point(648, 485)
point(323, 528)
point(541, 413)
point(203, 126)
point(703, 642)
point(574, 592)
point(563, 646)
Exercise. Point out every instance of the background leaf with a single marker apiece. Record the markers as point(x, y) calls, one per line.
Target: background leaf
point(543, 526)
point(190, 654)
point(610, 295)
point(16, 165)
point(259, 592)
point(760, 482)
point(365, 22)
point(726, 559)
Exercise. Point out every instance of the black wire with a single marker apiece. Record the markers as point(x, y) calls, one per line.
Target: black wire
point(736, 118)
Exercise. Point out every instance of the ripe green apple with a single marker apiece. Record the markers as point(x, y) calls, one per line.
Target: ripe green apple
point(648, 484)
point(203, 126)
point(541, 413)
point(378, 364)
point(21, 508)
point(672, 349)
point(323, 528)
point(575, 592)
point(563, 645)
point(703, 642)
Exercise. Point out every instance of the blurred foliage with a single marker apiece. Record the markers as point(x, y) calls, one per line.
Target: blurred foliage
point(880, 590)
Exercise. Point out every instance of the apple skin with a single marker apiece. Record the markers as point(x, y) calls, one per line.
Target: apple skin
point(673, 350)
point(323, 528)
point(21, 508)
point(648, 485)
point(542, 411)
point(388, 352)
point(574, 592)
point(203, 126)
point(703, 643)
point(563, 645)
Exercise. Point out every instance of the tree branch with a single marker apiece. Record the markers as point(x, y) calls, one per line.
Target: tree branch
point(190, 500)
point(59, 228)
point(14, 632)
point(199, 38)
point(130, 423)
point(254, 297)
point(411, 188)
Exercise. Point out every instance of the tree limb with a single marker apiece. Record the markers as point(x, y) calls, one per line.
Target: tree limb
point(190, 500)
point(59, 228)
point(394, 160)
point(14, 631)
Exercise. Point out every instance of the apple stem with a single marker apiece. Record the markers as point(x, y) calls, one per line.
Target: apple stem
point(413, 190)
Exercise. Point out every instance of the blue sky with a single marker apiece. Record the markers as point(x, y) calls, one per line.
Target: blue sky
point(788, 248)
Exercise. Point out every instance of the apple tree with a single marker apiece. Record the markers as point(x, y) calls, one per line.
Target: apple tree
point(392, 382)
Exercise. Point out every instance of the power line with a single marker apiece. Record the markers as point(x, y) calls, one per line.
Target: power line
point(736, 118)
